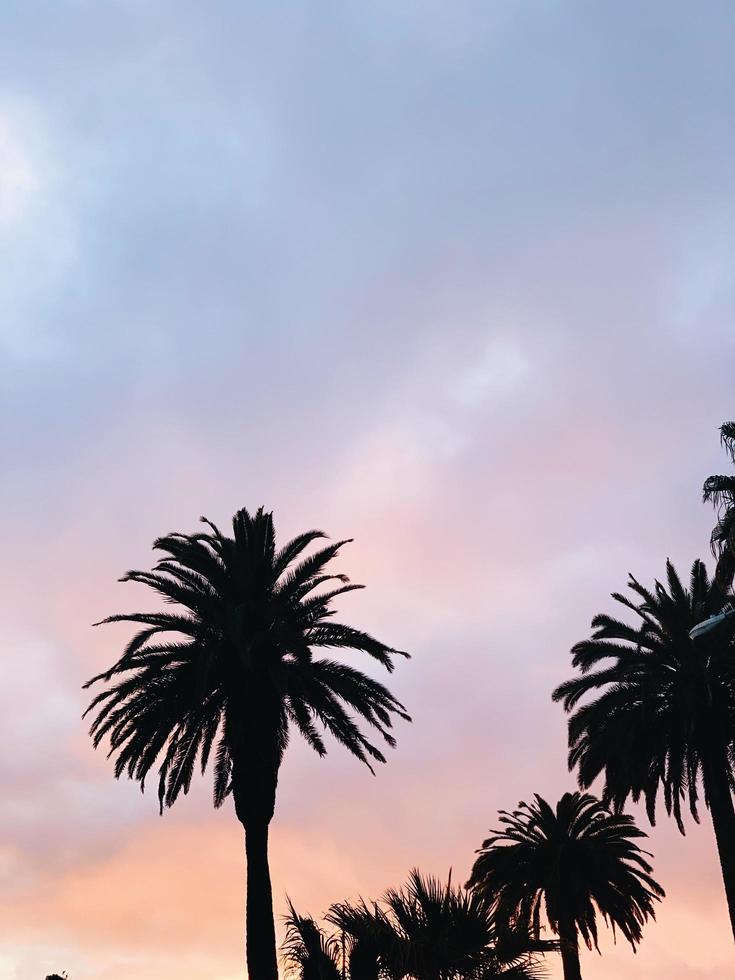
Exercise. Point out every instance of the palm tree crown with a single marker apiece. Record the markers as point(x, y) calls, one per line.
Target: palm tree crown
point(661, 703)
point(308, 953)
point(429, 930)
point(234, 667)
point(720, 490)
point(578, 859)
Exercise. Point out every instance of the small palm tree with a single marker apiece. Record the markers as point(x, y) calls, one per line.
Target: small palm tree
point(429, 930)
point(720, 490)
point(371, 939)
point(230, 673)
point(578, 860)
point(660, 708)
point(309, 954)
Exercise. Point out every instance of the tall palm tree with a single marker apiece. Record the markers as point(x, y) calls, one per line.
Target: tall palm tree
point(429, 930)
point(230, 672)
point(720, 490)
point(577, 860)
point(659, 713)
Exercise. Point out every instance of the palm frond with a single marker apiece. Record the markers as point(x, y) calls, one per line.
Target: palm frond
point(233, 663)
point(648, 705)
point(580, 859)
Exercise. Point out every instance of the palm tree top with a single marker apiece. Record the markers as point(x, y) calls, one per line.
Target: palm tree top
point(720, 491)
point(307, 952)
point(727, 441)
point(646, 720)
point(233, 668)
point(574, 860)
point(431, 929)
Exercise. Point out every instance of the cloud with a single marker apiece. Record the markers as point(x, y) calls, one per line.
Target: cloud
point(19, 176)
point(447, 281)
point(500, 371)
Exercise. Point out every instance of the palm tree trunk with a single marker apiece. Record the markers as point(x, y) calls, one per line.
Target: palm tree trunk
point(255, 762)
point(723, 821)
point(569, 951)
point(260, 933)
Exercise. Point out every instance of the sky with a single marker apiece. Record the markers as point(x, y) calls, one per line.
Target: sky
point(452, 279)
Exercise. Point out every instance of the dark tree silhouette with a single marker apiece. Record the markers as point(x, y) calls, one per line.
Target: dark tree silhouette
point(662, 709)
point(577, 860)
point(370, 940)
point(429, 930)
point(230, 672)
point(720, 490)
point(308, 952)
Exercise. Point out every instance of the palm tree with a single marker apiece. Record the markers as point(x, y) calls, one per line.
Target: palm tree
point(230, 673)
point(720, 490)
point(308, 952)
point(580, 860)
point(370, 951)
point(429, 930)
point(661, 713)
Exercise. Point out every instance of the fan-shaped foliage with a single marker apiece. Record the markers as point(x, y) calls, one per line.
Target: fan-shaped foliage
point(429, 930)
point(308, 953)
point(372, 941)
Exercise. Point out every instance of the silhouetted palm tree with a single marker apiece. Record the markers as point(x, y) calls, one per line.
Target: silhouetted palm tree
point(371, 939)
point(230, 672)
point(428, 930)
point(577, 860)
point(661, 713)
point(720, 490)
point(309, 953)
